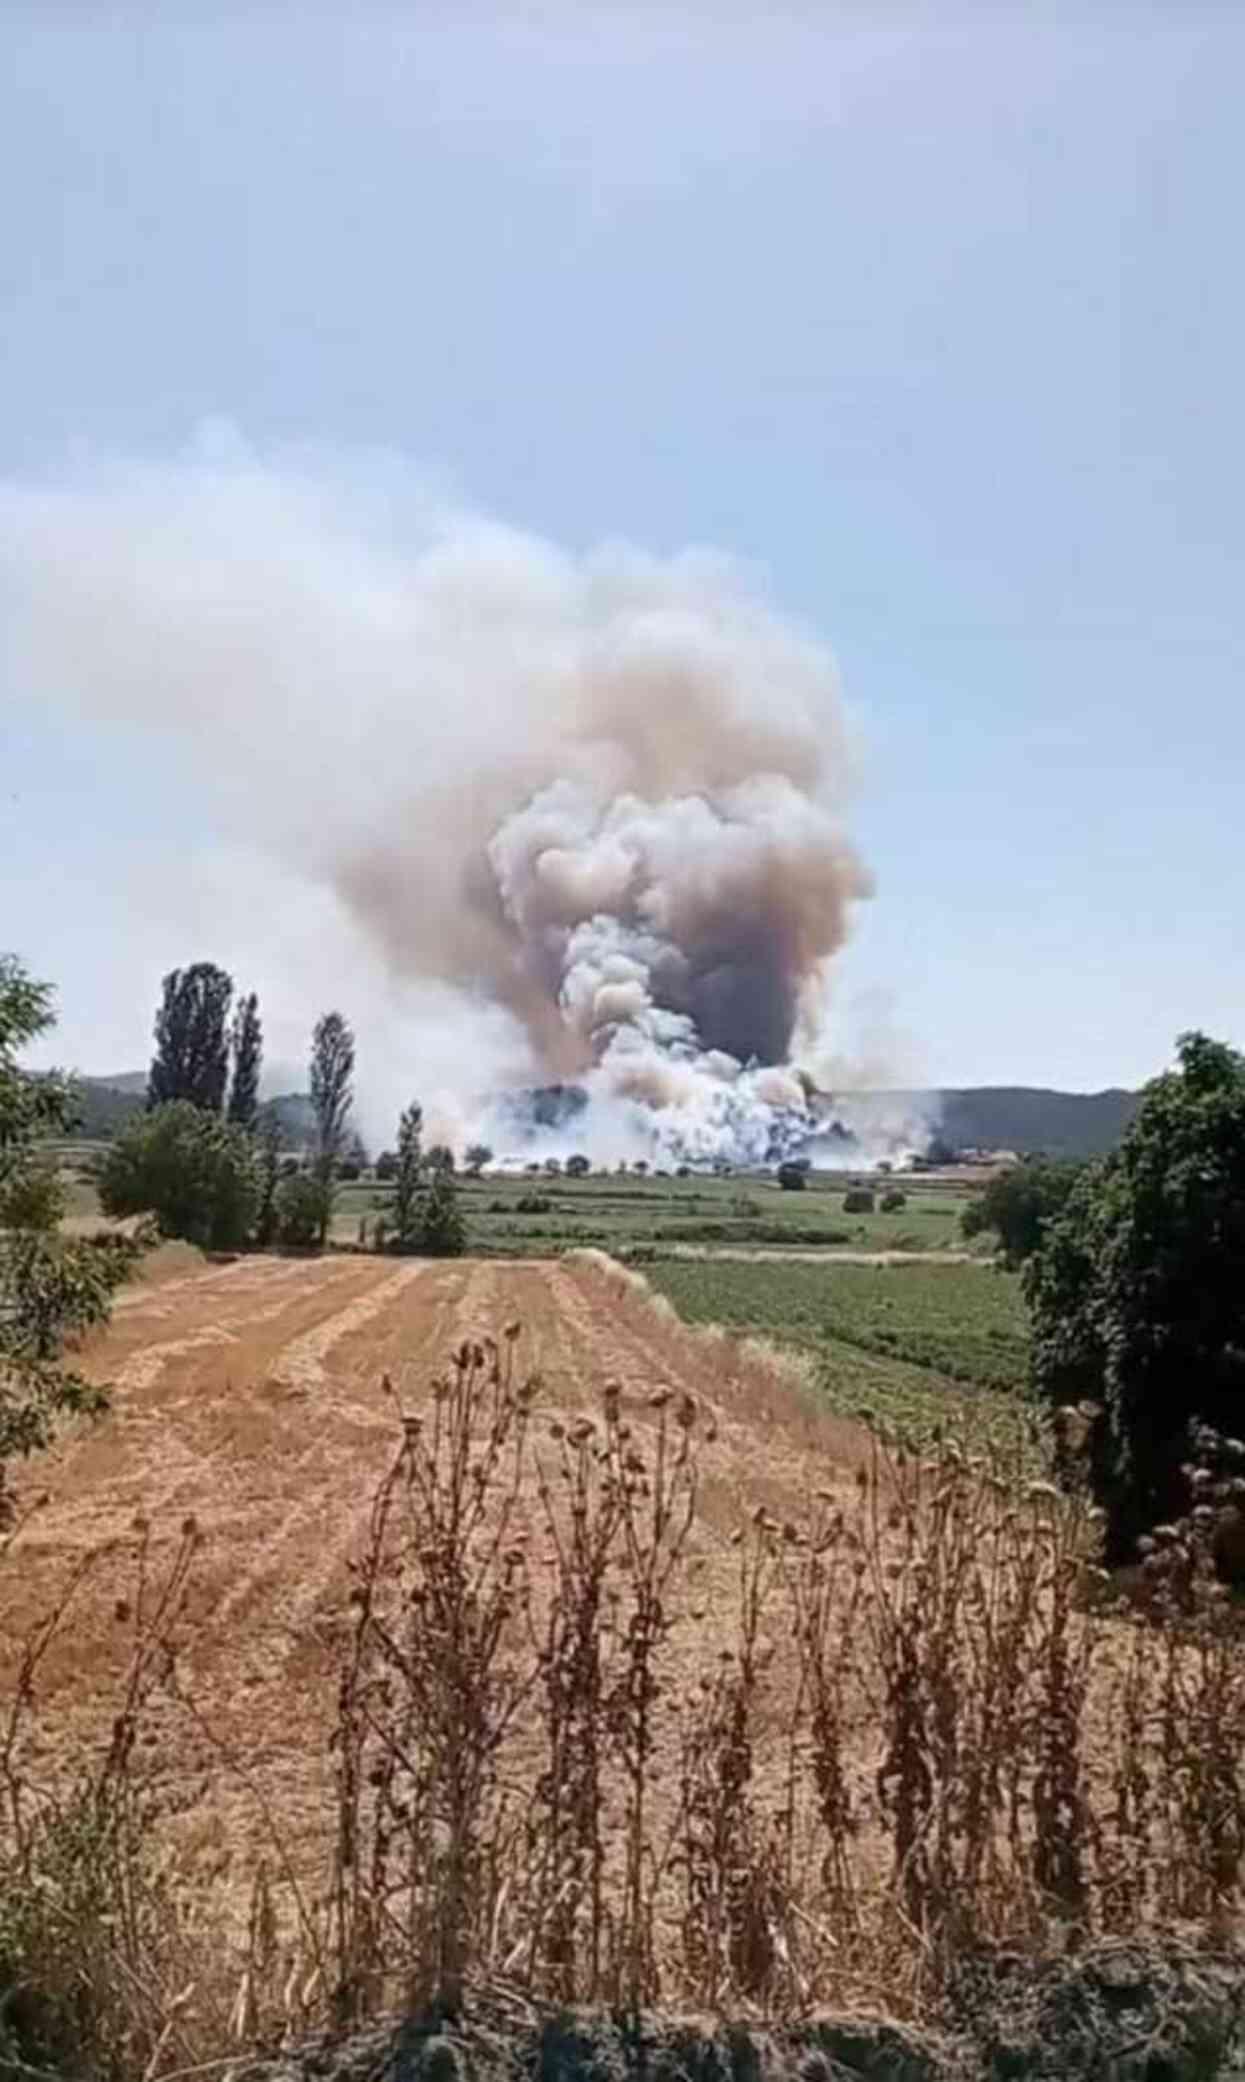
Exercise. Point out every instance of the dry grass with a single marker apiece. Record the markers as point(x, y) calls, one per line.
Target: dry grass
point(763, 1383)
point(903, 1726)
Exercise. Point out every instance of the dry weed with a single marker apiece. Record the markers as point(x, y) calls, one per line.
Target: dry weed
point(916, 1729)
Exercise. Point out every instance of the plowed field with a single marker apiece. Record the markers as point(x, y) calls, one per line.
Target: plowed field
point(248, 1396)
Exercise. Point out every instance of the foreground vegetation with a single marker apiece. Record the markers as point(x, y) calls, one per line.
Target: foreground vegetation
point(924, 1735)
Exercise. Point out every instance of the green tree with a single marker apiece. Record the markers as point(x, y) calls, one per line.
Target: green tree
point(577, 1166)
point(440, 1158)
point(268, 1176)
point(52, 1289)
point(477, 1155)
point(407, 1177)
point(1017, 1203)
point(246, 1048)
point(192, 1038)
point(300, 1210)
point(1136, 1291)
point(441, 1230)
point(332, 1095)
point(194, 1172)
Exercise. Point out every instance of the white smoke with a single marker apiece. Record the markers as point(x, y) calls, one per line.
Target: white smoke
point(584, 810)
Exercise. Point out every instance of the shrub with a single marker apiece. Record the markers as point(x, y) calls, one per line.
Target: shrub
point(1018, 1203)
point(1136, 1290)
point(892, 1200)
point(441, 1231)
point(300, 1210)
point(33, 1197)
point(193, 1171)
point(792, 1178)
point(387, 1165)
point(858, 1200)
point(529, 1203)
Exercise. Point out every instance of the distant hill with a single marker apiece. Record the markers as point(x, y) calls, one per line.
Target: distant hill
point(124, 1081)
point(1022, 1117)
point(103, 1106)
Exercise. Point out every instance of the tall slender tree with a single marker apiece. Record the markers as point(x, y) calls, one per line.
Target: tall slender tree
point(246, 1045)
point(332, 1095)
point(269, 1164)
point(192, 1038)
point(410, 1164)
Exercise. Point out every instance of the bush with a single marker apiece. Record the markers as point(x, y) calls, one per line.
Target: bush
point(300, 1210)
point(34, 1197)
point(1136, 1292)
point(193, 1171)
point(349, 1170)
point(441, 1230)
point(530, 1203)
point(577, 1167)
point(387, 1165)
point(1018, 1203)
point(858, 1200)
point(792, 1177)
point(892, 1200)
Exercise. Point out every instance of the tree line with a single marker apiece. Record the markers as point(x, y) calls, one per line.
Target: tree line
point(205, 1158)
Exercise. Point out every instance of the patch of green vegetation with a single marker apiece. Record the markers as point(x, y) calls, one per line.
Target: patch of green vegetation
point(617, 1213)
point(920, 1346)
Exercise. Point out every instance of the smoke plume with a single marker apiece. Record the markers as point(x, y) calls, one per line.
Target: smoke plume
point(594, 802)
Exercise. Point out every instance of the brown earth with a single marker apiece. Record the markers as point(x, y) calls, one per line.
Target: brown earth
point(247, 1396)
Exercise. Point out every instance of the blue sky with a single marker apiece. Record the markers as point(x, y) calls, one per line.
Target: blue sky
point(934, 316)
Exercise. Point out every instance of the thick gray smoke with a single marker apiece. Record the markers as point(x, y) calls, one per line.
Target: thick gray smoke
point(601, 793)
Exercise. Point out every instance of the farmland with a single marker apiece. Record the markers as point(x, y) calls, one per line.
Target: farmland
point(296, 1427)
point(539, 1215)
point(614, 1213)
point(917, 1344)
point(929, 1333)
point(259, 1400)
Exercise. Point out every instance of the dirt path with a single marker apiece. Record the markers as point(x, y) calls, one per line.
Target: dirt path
point(248, 1397)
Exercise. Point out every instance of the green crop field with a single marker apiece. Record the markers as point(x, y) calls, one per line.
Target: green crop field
point(538, 1215)
point(920, 1345)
